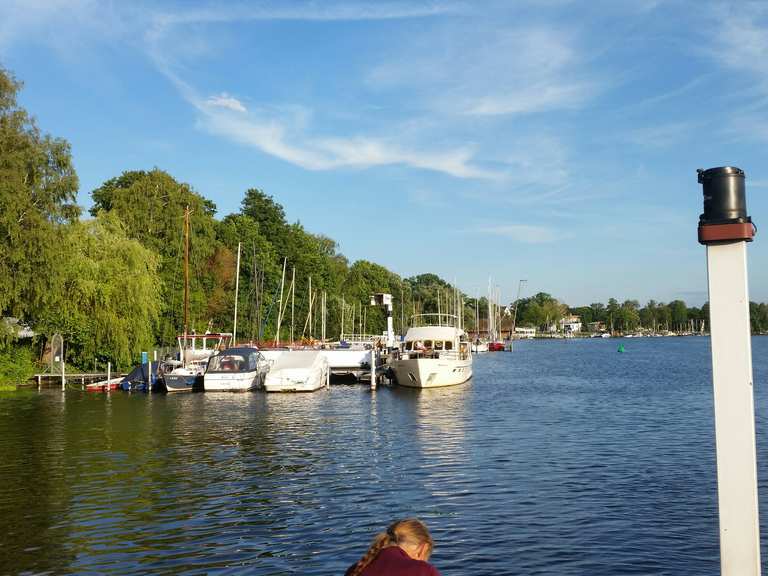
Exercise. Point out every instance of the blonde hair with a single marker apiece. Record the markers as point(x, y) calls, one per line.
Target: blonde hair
point(408, 531)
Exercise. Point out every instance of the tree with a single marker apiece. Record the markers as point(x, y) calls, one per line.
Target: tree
point(269, 215)
point(151, 205)
point(38, 188)
point(678, 314)
point(110, 300)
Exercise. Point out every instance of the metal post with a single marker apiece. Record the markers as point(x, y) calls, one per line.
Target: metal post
point(373, 368)
point(63, 364)
point(725, 228)
point(109, 375)
point(149, 376)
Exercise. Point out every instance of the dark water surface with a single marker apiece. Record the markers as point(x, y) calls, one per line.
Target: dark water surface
point(560, 458)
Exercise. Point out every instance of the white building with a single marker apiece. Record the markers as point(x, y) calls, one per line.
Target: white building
point(570, 324)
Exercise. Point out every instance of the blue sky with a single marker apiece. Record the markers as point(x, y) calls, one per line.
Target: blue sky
point(549, 140)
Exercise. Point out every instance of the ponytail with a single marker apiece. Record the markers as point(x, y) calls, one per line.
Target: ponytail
point(381, 541)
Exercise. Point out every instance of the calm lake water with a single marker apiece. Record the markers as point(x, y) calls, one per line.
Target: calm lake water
point(562, 457)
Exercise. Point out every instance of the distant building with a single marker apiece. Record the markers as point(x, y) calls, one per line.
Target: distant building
point(523, 332)
point(570, 324)
point(596, 327)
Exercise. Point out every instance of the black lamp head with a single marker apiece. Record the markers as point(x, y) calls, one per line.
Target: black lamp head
point(724, 198)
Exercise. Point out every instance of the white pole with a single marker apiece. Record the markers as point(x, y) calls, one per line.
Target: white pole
point(280, 305)
point(373, 368)
point(725, 228)
point(149, 376)
point(734, 409)
point(237, 292)
point(109, 374)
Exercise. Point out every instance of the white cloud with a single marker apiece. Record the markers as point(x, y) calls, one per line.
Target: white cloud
point(282, 133)
point(524, 233)
point(494, 70)
point(224, 100)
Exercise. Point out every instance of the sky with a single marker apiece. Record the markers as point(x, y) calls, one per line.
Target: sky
point(549, 140)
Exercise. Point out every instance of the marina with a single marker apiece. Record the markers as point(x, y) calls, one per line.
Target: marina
point(562, 455)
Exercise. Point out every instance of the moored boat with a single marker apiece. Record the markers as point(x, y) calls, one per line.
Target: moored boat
point(235, 370)
point(435, 353)
point(194, 352)
point(298, 371)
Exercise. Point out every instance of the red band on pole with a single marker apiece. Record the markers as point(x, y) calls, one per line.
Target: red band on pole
point(710, 233)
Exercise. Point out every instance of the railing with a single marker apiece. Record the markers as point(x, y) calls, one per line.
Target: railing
point(434, 319)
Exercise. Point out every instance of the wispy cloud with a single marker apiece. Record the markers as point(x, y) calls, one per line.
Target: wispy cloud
point(741, 38)
point(506, 71)
point(224, 100)
point(282, 133)
point(660, 136)
point(285, 131)
point(524, 233)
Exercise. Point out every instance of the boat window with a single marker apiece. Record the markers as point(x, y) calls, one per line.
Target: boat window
point(438, 344)
point(449, 345)
point(409, 345)
point(232, 362)
point(427, 343)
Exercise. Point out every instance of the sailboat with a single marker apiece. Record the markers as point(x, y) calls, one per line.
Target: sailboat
point(194, 349)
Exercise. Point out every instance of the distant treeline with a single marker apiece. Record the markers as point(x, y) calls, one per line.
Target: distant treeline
point(544, 312)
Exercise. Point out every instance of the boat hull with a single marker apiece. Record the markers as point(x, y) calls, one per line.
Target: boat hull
point(431, 372)
point(183, 382)
point(237, 382)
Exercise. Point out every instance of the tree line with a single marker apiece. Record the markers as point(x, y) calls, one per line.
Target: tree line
point(543, 311)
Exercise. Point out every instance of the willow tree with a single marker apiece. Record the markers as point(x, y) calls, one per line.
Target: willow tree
point(38, 188)
point(110, 300)
point(151, 204)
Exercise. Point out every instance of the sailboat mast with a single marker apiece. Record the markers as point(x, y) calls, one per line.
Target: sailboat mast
point(293, 300)
point(237, 293)
point(186, 279)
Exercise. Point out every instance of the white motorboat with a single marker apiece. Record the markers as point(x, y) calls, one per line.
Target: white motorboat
point(479, 346)
point(435, 353)
point(235, 370)
point(298, 371)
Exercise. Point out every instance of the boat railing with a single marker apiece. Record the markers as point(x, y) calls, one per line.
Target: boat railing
point(462, 354)
point(434, 319)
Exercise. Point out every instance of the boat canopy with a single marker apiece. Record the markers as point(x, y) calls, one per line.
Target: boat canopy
point(235, 360)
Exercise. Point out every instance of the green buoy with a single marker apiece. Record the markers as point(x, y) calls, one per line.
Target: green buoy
point(621, 348)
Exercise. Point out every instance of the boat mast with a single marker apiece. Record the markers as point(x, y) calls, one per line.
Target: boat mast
point(186, 284)
point(293, 299)
point(237, 292)
point(280, 305)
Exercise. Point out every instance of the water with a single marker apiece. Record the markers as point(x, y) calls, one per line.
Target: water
point(563, 457)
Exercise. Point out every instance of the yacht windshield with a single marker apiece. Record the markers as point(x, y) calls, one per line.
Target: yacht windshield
point(234, 361)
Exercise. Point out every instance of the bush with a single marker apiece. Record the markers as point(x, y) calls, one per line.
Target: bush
point(16, 366)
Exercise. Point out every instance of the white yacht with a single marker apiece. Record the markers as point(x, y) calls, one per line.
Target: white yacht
point(235, 370)
point(435, 353)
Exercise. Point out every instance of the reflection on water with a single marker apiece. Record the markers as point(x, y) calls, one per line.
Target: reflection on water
point(562, 457)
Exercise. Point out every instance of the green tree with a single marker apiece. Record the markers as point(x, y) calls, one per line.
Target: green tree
point(678, 314)
point(110, 300)
point(151, 205)
point(38, 188)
